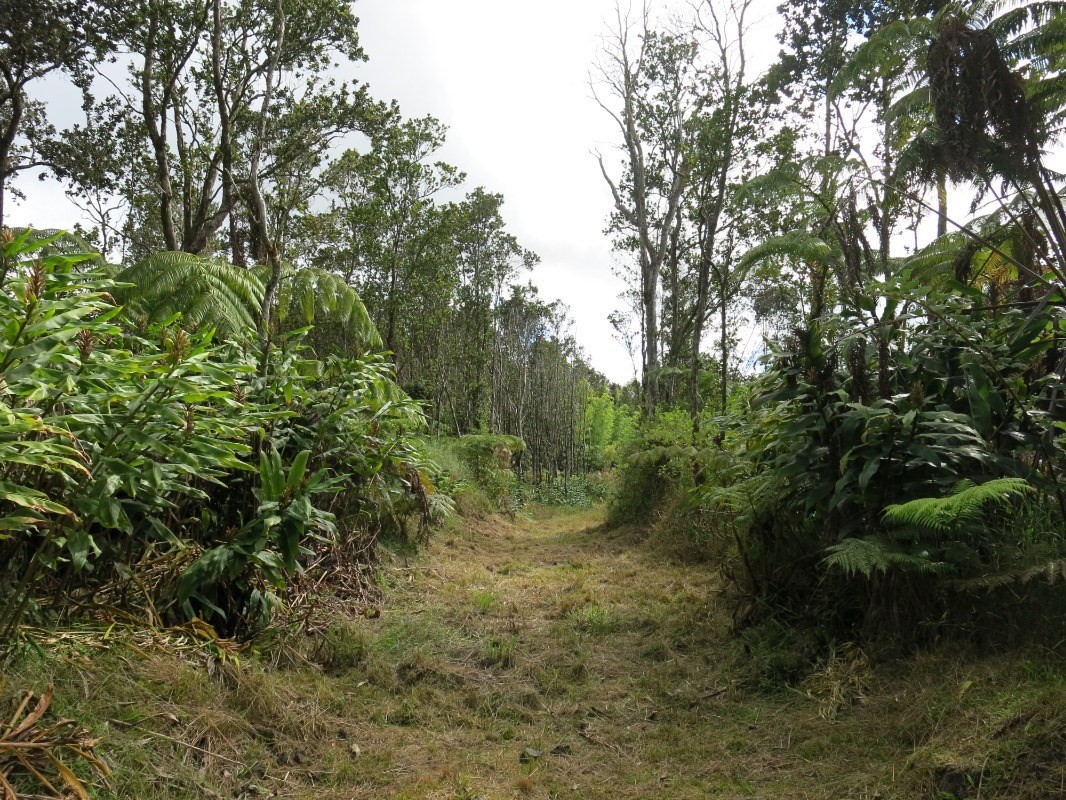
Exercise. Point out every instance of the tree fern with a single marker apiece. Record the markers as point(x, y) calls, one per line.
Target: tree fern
point(205, 291)
point(797, 245)
point(936, 262)
point(312, 296)
point(889, 48)
point(875, 554)
point(214, 293)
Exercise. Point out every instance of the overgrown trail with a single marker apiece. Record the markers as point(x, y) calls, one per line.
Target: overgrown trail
point(548, 658)
point(551, 658)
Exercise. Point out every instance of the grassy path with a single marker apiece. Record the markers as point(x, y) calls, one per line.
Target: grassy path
point(549, 658)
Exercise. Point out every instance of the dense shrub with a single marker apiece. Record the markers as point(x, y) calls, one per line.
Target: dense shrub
point(153, 467)
point(883, 473)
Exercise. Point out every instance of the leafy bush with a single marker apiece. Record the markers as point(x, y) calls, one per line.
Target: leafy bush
point(660, 459)
point(489, 457)
point(855, 431)
point(578, 491)
point(163, 469)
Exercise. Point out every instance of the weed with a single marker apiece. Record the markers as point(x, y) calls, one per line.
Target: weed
point(595, 620)
point(498, 652)
point(342, 648)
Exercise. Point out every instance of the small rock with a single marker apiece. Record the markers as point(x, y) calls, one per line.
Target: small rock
point(529, 754)
point(561, 750)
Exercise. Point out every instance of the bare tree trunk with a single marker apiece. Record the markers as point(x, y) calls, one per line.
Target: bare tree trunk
point(157, 134)
point(273, 258)
point(941, 202)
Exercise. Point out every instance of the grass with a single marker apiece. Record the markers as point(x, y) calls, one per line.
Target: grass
point(597, 649)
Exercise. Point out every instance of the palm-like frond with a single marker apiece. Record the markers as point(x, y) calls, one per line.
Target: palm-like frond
point(204, 291)
point(214, 293)
point(946, 514)
point(888, 49)
point(875, 554)
point(936, 261)
point(312, 296)
point(1010, 20)
point(795, 245)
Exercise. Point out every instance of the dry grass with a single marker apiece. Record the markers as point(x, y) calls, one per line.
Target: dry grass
point(549, 658)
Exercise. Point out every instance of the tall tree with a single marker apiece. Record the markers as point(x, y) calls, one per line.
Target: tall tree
point(642, 83)
point(723, 129)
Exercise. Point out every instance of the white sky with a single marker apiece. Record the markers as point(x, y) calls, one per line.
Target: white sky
point(510, 80)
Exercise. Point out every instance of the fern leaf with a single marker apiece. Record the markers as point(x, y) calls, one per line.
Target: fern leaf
point(873, 554)
point(945, 514)
point(797, 245)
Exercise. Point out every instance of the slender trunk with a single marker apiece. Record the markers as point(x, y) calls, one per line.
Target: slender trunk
point(651, 354)
point(725, 355)
point(887, 193)
point(7, 141)
point(702, 292)
point(157, 135)
point(273, 258)
point(941, 202)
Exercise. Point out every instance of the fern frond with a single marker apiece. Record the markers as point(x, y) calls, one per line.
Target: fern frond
point(887, 49)
point(945, 514)
point(796, 245)
point(1008, 22)
point(1050, 570)
point(873, 554)
point(205, 291)
point(312, 296)
point(937, 260)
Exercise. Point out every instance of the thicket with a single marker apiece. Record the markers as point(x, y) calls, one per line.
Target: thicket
point(150, 470)
point(894, 464)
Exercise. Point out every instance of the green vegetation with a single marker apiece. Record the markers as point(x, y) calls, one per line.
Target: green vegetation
point(157, 470)
point(301, 484)
point(614, 663)
point(893, 468)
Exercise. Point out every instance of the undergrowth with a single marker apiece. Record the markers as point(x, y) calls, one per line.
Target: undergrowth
point(613, 665)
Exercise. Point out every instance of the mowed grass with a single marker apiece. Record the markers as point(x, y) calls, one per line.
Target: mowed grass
point(547, 657)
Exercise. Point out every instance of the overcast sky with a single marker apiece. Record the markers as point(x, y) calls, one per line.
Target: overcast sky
point(510, 80)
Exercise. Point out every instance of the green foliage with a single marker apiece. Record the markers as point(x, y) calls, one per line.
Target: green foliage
point(851, 433)
point(660, 460)
point(963, 507)
point(208, 292)
point(576, 491)
point(609, 427)
point(167, 464)
point(489, 457)
point(878, 554)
